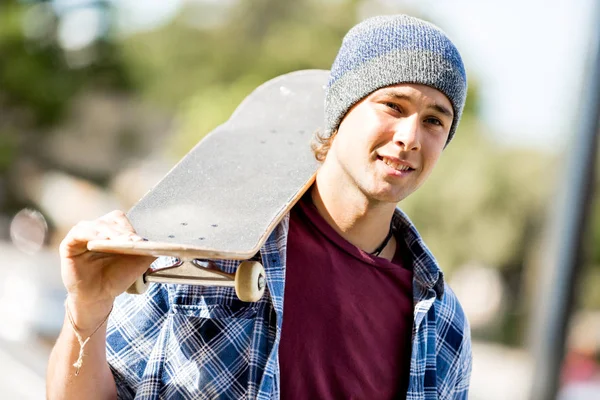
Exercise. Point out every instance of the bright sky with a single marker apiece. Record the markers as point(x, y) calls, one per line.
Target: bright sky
point(528, 56)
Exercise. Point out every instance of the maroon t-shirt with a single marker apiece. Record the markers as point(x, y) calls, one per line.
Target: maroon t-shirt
point(348, 316)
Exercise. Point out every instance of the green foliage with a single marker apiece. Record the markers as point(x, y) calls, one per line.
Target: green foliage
point(589, 296)
point(203, 74)
point(595, 228)
point(34, 74)
point(38, 85)
point(8, 149)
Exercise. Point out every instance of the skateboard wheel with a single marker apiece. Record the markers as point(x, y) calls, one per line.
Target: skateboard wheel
point(139, 286)
point(250, 281)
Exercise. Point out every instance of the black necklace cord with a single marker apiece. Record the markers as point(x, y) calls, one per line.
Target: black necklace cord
point(384, 243)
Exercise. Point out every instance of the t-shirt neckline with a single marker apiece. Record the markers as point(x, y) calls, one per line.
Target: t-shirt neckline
point(312, 214)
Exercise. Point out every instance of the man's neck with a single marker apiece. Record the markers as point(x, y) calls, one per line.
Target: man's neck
point(362, 222)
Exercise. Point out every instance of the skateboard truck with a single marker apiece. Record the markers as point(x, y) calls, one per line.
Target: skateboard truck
point(249, 279)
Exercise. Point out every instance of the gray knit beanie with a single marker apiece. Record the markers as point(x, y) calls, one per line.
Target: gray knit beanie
point(388, 50)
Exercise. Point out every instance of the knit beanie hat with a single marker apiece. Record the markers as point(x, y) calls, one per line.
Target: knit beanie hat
point(388, 50)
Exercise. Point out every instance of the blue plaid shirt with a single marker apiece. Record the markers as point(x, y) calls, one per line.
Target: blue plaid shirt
point(194, 342)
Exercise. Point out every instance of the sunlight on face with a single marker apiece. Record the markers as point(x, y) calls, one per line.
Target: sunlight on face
point(389, 142)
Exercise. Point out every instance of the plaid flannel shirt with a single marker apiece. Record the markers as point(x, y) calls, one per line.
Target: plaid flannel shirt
point(194, 342)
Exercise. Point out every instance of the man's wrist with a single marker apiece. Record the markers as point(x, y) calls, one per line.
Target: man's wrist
point(87, 315)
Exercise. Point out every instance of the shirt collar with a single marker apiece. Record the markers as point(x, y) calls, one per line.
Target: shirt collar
point(425, 267)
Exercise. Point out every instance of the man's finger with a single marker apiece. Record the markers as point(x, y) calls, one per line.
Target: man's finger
point(75, 243)
point(118, 218)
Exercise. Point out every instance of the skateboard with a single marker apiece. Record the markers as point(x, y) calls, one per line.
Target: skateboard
point(226, 196)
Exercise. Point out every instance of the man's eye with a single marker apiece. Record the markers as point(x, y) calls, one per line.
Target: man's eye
point(393, 106)
point(434, 121)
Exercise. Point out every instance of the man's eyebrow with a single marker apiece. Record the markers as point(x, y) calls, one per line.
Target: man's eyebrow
point(396, 95)
point(442, 110)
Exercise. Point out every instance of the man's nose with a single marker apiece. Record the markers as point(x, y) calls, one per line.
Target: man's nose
point(407, 133)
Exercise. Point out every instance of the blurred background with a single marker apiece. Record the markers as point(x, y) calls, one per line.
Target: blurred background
point(99, 98)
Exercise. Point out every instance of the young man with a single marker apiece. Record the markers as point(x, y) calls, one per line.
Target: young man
point(356, 305)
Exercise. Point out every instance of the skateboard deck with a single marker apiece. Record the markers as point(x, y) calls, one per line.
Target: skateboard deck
point(225, 197)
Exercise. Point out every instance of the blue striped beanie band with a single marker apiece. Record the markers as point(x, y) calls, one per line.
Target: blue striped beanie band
point(388, 50)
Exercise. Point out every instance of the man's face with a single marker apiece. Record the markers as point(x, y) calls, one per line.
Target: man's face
point(389, 142)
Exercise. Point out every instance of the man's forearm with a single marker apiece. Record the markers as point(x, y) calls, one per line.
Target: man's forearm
point(94, 380)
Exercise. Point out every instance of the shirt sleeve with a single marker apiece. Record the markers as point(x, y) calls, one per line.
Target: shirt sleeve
point(134, 335)
point(466, 364)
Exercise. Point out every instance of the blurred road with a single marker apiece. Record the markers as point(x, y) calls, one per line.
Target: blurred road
point(31, 314)
point(22, 371)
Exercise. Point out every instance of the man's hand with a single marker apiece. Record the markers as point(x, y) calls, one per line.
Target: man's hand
point(92, 279)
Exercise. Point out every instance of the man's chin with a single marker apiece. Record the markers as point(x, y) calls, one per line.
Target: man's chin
point(388, 196)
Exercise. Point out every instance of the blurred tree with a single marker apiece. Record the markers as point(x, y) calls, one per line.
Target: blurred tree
point(588, 296)
point(39, 79)
point(213, 67)
point(34, 69)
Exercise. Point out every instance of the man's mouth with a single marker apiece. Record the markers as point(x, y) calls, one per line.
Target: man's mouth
point(396, 163)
